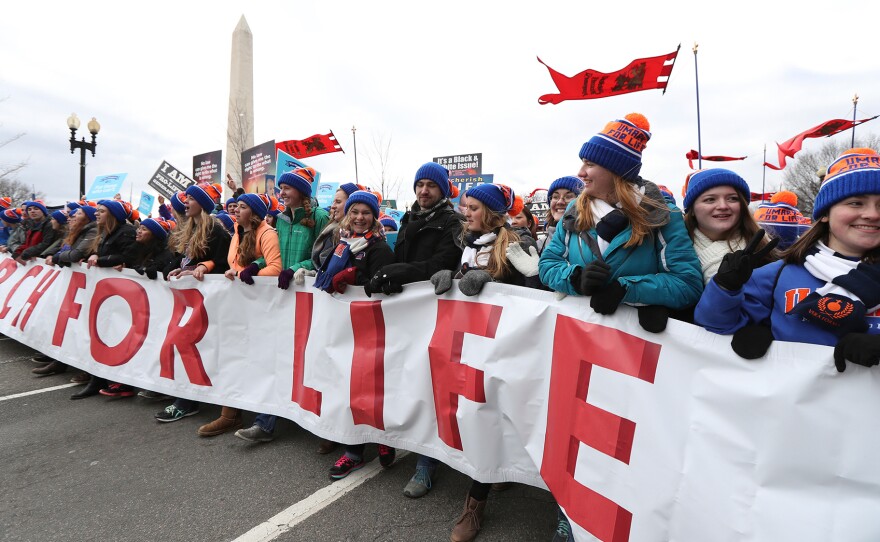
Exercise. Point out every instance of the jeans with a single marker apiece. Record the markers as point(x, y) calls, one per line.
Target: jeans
point(266, 422)
point(425, 461)
point(186, 404)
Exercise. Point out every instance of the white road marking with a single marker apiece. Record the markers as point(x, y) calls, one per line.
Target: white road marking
point(35, 392)
point(311, 505)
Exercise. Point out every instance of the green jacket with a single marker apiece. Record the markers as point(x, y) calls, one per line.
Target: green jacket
point(296, 240)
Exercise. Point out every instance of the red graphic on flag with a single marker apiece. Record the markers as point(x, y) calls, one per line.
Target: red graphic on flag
point(311, 146)
point(640, 74)
point(826, 129)
point(694, 155)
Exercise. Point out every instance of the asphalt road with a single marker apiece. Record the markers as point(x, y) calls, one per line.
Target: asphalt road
point(103, 468)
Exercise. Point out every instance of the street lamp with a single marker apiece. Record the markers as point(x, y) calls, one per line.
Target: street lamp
point(83, 146)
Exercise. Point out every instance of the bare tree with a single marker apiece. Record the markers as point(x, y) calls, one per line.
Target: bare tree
point(802, 177)
point(239, 137)
point(379, 155)
point(8, 171)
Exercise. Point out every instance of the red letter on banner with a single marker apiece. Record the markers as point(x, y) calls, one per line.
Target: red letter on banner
point(34, 298)
point(32, 272)
point(367, 399)
point(577, 347)
point(449, 377)
point(70, 309)
point(307, 398)
point(185, 337)
point(7, 268)
point(139, 304)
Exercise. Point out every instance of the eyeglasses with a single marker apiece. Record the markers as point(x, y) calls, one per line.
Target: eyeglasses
point(567, 198)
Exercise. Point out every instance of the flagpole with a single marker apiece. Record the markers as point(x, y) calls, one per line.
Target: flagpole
point(764, 175)
point(354, 137)
point(855, 106)
point(699, 136)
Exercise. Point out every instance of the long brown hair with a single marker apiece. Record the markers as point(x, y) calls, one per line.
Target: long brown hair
point(307, 221)
point(819, 231)
point(637, 213)
point(745, 229)
point(247, 241)
point(73, 230)
point(499, 265)
point(108, 225)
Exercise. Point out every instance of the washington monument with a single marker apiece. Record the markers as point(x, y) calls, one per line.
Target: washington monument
point(240, 127)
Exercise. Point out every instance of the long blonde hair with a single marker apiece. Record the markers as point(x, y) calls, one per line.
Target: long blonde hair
point(192, 237)
point(247, 242)
point(498, 265)
point(345, 226)
point(637, 213)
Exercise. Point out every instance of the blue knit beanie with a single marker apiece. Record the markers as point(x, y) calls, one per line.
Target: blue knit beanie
point(258, 203)
point(206, 195)
point(618, 147)
point(856, 172)
point(11, 216)
point(704, 179)
point(367, 198)
point(38, 205)
point(73, 206)
point(350, 188)
point(569, 183)
point(177, 201)
point(227, 220)
point(496, 197)
point(89, 211)
point(301, 179)
point(159, 228)
point(388, 222)
point(117, 209)
point(59, 217)
point(230, 201)
point(435, 173)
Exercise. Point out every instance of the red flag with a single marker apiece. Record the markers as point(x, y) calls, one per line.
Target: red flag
point(694, 155)
point(311, 146)
point(640, 74)
point(826, 129)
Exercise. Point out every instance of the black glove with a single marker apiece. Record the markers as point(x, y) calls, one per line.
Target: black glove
point(653, 318)
point(247, 274)
point(473, 281)
point(587, 280)
point(606, 300)
point(390, 279)
point(736, 267)
point(442, 281)
point(151, 272)
point(859, 348)
point(752, 341)
point(284, 278)
point(139, 270)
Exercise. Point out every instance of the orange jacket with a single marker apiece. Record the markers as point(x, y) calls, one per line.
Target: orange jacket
point(267, 248)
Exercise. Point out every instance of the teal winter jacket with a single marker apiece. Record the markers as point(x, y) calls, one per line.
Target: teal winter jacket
point(663, 270)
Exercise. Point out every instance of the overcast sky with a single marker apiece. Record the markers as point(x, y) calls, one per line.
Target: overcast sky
point(438, 78)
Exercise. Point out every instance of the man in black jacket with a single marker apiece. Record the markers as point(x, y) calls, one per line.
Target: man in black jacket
point(426, 241)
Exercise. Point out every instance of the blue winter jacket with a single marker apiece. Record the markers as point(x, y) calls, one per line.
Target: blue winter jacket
point(769, 295)
point(663, 270)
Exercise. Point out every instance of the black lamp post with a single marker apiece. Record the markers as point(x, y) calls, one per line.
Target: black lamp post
point(83, 146)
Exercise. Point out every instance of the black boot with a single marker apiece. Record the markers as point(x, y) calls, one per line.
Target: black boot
point(54, 368)
point(95, 385)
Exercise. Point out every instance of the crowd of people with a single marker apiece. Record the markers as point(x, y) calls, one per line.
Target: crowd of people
point(611, 236)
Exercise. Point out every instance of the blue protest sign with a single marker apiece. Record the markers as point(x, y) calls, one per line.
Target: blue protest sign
point(106, 186)
point(146, 205)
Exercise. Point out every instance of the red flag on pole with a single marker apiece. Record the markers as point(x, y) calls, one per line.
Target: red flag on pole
point(694, 155)
point(640, 74)
point(826, 129)
point(311, 146)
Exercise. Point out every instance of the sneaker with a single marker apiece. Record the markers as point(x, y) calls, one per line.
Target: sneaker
point(386, 455)
point(344, 466)
point(254, 433)
point(420, 484)
point(118, 390)
point(172, 414)
point(563, 528)
point(42, 358)
point(152, 395)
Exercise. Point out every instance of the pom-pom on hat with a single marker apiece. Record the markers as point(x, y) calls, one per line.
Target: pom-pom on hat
point(388, 222)
point(160, 228)
point(13, 216)
point(704, 179)
point(301, 179)
point(120, 210)
point(435, 173)
point(206, 195)
point(258, 203)
point(5, 203)
point(498, 198)
point(59, 217)
point(618, 147)
point(275, 206)
point(518, 206)
point(351, 188)
point(570, 183)
point(780, 218)
point(367, 198)
point(38, 204)
point(856, 172)
point(227, 220)
point(89, 211)
point(177, 201)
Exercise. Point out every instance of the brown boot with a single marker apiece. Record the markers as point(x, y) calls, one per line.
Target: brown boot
point(468, 525)
point(229, 420)
point(54, 368)
point(326, 446)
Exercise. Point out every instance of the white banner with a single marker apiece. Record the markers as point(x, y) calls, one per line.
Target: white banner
point(638, 436)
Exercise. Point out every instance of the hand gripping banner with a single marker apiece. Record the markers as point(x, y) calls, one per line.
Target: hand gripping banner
point(638, 436)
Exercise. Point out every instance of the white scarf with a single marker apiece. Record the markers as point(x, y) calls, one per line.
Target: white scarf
point(824, 265)
point(711, 252)
point(479, 258)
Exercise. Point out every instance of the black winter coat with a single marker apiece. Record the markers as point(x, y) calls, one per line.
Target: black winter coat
point(118, 247)
point(427, 243)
